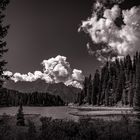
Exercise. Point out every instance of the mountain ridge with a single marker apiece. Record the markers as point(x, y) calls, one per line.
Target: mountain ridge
point(67, 93)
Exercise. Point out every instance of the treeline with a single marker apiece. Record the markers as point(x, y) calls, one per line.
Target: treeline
point(116, 83)
point(14, 98)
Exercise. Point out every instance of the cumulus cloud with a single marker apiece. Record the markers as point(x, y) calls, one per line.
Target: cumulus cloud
point(55, 70)
point(114, 40)
point(77, 75)
point(58, 68)
point(29, 77)
point(76, 79)
point(8, 73)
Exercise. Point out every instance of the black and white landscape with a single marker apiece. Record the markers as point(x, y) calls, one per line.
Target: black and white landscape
point(69, 70)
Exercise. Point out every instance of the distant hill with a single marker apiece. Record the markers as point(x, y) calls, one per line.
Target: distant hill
point(67, 93)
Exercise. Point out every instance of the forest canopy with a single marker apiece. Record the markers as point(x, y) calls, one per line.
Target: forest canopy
point(117, 83)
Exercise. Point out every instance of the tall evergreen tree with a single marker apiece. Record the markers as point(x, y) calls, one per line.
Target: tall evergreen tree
point(128, 67)
point(131, 89)
point(120, 86)
point(80, 98)
point(105, 85)
point(85, 87)
point(104, 80)
point(20, 116)
point(3, 33)
point(137, 93)
point(89, 91)
point(96, 88)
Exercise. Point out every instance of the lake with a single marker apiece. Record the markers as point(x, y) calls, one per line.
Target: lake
point(65, 112)
point(61, 112)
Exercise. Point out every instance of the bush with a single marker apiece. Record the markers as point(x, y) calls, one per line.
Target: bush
point(31, 134)
point(4, 128)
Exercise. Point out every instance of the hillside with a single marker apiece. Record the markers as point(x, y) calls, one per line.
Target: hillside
point(67, 93)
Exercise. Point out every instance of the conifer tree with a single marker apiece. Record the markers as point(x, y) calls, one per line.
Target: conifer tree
point(96, 88)
point(131, 89)
point(114, 85)
point(104, 80)
point(107, 94)
point(128, 67)
point(137, 93)
point(80, 98)
point(120, 86)
point(3, 33)
point(85, 86)
point(89, 91)
point(106, 85)
point(20, 116)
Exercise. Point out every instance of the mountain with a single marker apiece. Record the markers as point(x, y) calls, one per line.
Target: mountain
point(67, 93)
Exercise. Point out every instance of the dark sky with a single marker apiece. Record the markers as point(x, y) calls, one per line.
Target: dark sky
point(41, 29)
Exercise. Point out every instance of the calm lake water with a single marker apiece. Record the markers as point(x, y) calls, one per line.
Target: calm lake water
point(62, 112)
point(54, 112)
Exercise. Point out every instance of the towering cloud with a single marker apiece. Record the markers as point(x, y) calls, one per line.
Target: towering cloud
point(55, 70)
point(110, 38)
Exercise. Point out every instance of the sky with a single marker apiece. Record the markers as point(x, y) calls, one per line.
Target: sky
point(41, 29)
point(65, 40)
point(114, 29)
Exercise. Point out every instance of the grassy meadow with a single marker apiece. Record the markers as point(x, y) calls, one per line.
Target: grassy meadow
point(37, 127)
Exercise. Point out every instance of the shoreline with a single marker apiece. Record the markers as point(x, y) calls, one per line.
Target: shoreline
point(100, 108)
point(102, 111)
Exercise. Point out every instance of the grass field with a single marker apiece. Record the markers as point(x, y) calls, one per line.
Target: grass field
point(58, 129)
point(94, 123)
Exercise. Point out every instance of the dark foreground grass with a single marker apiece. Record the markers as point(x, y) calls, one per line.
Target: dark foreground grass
point(85, 129)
